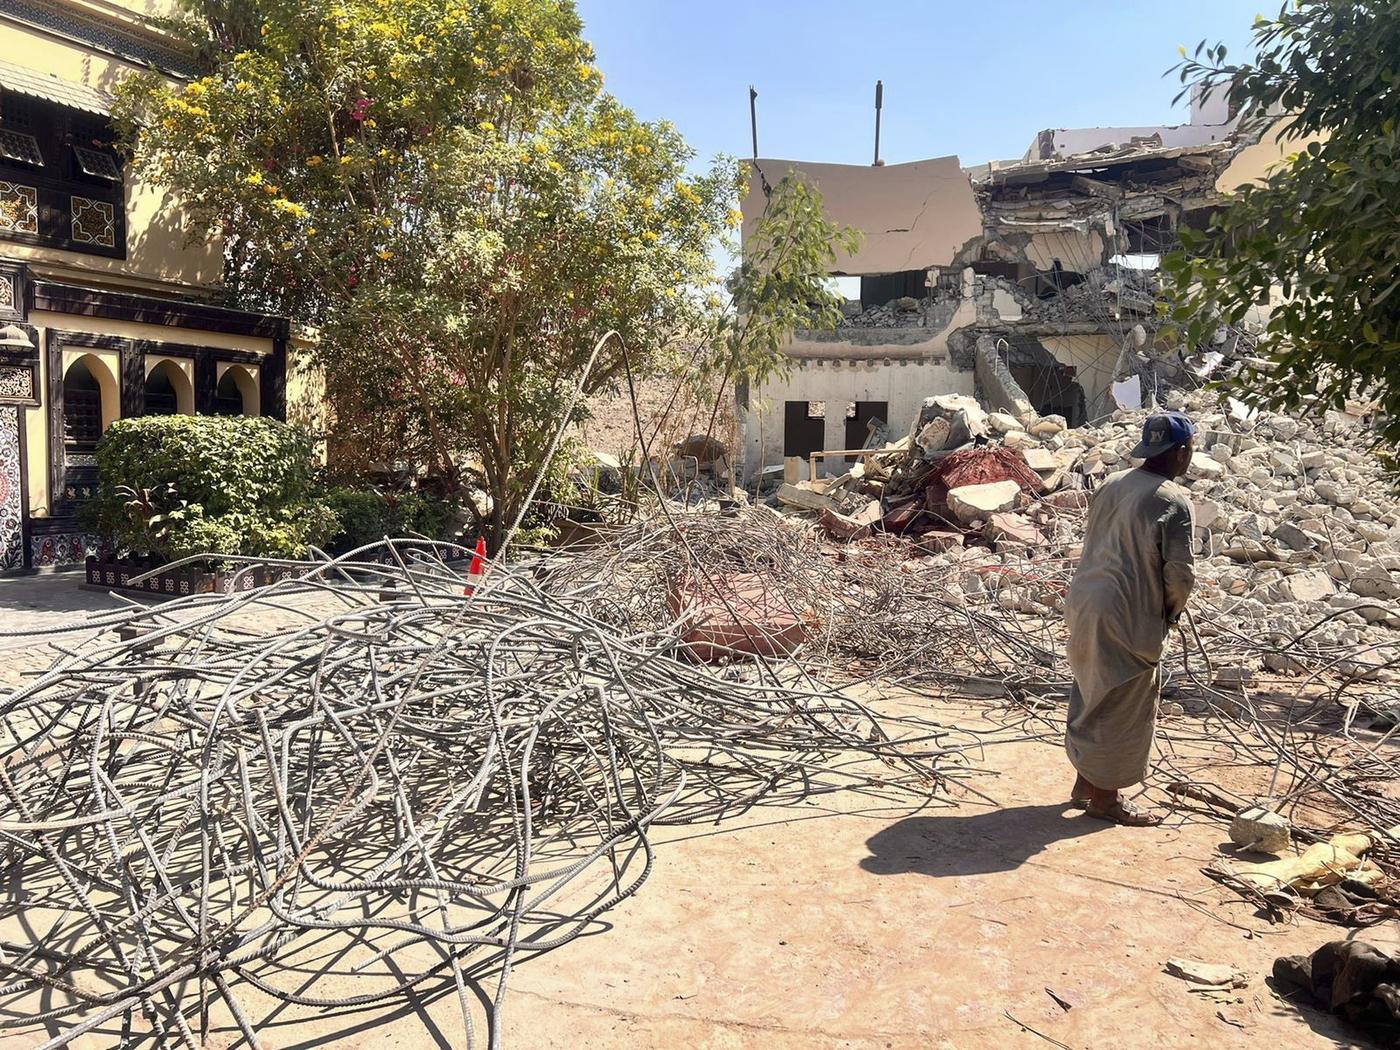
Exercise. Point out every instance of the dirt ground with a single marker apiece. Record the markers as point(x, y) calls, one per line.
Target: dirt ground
point(848, 921)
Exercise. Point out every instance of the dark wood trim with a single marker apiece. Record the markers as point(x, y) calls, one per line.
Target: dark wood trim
point(88, 339)
point(124, 306)
point(206, 381)
point(272, 376)
point(133, 381)
point(18, 274)
point(163, 349)
point(53, 345)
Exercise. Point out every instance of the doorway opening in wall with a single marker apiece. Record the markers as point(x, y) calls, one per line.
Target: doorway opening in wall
point(1052, 388)
point(864, 420)
point(804, 427)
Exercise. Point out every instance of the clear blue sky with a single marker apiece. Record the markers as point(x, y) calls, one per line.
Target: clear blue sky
point(973, 77)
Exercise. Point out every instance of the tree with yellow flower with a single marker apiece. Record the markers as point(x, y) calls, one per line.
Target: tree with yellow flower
point(445, 188)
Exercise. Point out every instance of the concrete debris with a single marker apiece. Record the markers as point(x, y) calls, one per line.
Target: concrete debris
point(1206, 973)
point(1260, 830)
point(978, 502)
point(1297, 526)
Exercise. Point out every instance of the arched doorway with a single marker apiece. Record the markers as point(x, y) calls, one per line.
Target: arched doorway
point(168, 390)
point(237, 393)
point(82, 409)
point(91, 401)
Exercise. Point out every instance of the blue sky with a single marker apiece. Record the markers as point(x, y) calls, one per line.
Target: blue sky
point(977, 78)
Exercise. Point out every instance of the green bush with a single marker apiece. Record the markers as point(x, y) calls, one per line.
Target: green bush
point(367, 515)
point(185, 485)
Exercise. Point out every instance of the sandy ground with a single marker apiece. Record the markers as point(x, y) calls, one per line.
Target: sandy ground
point(846, 921)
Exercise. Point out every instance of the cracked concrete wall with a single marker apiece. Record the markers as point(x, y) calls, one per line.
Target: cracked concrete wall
point(902, 383)
point(1093, 358)
point(913, 216)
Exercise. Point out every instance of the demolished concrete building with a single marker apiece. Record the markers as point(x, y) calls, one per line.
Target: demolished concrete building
point(1027, 284)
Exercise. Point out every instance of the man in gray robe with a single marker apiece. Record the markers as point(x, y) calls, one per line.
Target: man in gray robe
point(1132, 583)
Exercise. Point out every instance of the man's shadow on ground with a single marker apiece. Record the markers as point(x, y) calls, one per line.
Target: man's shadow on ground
point(975, 844)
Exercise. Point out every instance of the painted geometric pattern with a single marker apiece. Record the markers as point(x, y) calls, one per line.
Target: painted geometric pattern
point(11, 527)
point(17, 382)
point(19, 209)
point(7, 293)
point(94, 222)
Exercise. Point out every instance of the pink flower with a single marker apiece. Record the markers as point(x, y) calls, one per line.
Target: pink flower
point(360, 110)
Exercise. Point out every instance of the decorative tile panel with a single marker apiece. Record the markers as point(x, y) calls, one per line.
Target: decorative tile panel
point(19, 208)
point(16, 382)
point(7, 292)
point(11, 502)
point(94, 222)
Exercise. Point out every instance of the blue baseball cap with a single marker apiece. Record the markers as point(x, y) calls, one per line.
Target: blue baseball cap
point(1162, 433)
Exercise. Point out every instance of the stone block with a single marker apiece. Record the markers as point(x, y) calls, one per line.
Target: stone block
point(1261, 830)
point(1013, 529)
point(1202, 466)
point(978, 502)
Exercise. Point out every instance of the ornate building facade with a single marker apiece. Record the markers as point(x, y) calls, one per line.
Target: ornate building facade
point(105, 292)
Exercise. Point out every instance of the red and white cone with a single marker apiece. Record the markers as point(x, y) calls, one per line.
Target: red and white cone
point(477, 572)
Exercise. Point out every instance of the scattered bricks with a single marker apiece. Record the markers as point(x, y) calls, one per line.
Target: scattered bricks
point(1260, 830)
point(977, 502)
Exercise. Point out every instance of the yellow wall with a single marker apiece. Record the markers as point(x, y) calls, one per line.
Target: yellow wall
point(36, 431)
point(1254, 163)
point(156, 233)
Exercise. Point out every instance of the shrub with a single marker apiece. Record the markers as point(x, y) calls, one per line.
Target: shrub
point(367, 515)
point(185, 485)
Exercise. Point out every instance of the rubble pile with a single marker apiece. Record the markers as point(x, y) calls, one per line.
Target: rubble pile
point(904, 312)
point(1297, 528)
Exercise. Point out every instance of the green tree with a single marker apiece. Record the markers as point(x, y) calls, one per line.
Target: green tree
point(446, 190)
point(1320, 236)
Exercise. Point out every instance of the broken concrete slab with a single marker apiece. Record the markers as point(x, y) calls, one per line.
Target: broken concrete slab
point(1261, 830)
point(1012, 529)
point(976, 502)
point(803, 496)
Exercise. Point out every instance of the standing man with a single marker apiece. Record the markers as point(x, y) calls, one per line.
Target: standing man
point(1132, 583)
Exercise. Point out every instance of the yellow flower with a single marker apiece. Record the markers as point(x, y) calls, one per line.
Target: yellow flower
point(539, 145)
point(311, 232)
point(296, 210)
point(286, 245)
point(346, 160)
point(486, 125)
point(370, 74)
point(264, 30)
point(255, 179)
point(386, 255)
point(313, 161)
point(649, 235)
point(371, 123)
point(736, 217)
point(271, 191)
point(196, 89)
point(584, 72)
point(386, 222)
point(243, 85)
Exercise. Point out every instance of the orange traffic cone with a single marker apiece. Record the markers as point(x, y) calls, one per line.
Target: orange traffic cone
point(478, 567)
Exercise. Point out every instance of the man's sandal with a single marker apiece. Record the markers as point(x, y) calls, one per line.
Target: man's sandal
point(1127, 814)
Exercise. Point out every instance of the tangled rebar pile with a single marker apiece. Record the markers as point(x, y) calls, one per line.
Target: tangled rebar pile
point(208, 799)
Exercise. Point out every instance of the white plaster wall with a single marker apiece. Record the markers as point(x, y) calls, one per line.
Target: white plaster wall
point(904, 384)
point(1070, 142)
